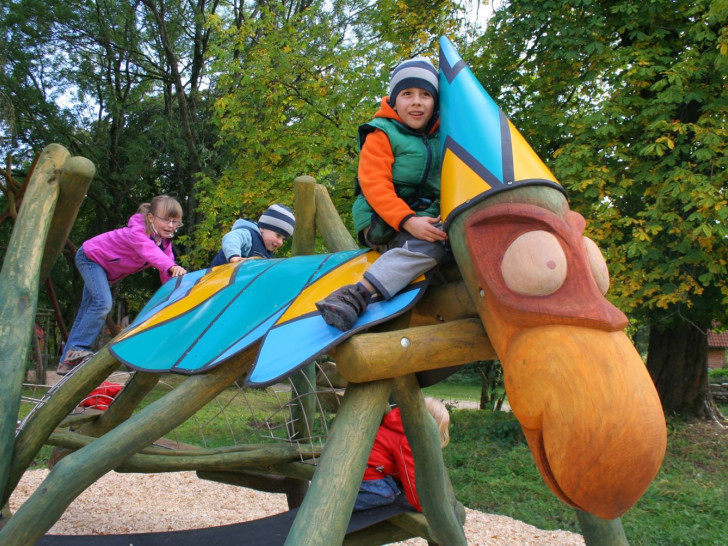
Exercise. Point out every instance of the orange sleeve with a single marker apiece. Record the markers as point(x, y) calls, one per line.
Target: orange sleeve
point(375, 178)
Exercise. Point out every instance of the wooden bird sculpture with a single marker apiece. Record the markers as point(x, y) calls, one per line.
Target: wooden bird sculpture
point(577, 385)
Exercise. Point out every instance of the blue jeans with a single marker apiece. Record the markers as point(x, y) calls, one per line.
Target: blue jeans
point(95, 305)
point(373, 493)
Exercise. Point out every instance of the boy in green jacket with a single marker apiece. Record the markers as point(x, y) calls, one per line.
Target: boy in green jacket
point(397, 212)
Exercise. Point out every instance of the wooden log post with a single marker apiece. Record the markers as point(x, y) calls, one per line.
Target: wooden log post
point(19, 292)
point(73, 474)
point(75, 178)
point(433, 485)
point(329, 224)
point(203, 460)
point(302, 412)
point(324, 514)
point(304, 203)
point(601, 532)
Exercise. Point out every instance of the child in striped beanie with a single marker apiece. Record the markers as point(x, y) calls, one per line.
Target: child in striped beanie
point(248, 239)
point(397, 209)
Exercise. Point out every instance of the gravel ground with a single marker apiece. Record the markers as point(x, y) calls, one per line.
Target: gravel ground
point(136, 503)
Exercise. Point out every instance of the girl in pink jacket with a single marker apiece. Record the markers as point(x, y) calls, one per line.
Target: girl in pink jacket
point(145, 242)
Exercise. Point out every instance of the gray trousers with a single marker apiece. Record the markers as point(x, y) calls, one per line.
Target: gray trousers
point(403, 259)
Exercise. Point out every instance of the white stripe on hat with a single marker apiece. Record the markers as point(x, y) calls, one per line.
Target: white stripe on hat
point(278, 218)
point(419, 68)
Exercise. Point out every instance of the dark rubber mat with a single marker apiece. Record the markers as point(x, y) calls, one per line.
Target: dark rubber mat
point(270, 531)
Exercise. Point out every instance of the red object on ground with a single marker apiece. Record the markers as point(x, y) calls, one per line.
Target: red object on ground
point(102, 396)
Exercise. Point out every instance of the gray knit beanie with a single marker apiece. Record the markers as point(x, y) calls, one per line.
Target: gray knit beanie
point(278, 218)
point(417, 72)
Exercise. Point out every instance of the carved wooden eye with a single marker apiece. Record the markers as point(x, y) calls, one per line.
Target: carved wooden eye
point(598, 265)
point(534, 264)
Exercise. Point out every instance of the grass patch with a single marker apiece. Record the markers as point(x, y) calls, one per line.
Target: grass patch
point(492, 470)
point(234, 417)
point(446, 392)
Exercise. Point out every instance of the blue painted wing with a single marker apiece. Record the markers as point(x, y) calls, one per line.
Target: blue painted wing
point(198, 321)
point(314, 337)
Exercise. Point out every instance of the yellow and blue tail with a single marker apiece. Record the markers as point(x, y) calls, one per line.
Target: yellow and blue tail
point(483, 153)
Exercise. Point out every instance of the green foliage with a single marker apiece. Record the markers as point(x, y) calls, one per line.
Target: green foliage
point(295, 85)
point(718, 375)
point(627, 103)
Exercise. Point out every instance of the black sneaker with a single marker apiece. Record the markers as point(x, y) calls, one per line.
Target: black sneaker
point(343, 307)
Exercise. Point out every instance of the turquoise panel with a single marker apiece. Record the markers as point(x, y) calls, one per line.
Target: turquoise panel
point(467, 113)
point(278, 357)
point(170, 291)
point(265, 296)
point(239, 345)
point(227, 322)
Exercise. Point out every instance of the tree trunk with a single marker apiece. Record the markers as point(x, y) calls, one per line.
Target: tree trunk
point(677, 360)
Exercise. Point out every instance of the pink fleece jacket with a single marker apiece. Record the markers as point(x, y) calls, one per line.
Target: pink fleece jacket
point(128, 250)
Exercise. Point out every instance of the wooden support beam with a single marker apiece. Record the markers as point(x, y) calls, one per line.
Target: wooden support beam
point(601, 532)
point(260, 481)
point(19, 282)
point(210, 460)
point(369, 357)
point(433, 484)
point(75, 178)
point(304, 381)
point(304, 202)
point(330, 499)
point(329, 224)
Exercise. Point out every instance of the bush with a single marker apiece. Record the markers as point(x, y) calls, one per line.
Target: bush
point(719, 375)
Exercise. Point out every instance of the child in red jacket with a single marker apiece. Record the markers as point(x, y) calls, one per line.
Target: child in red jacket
point(391, 464)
